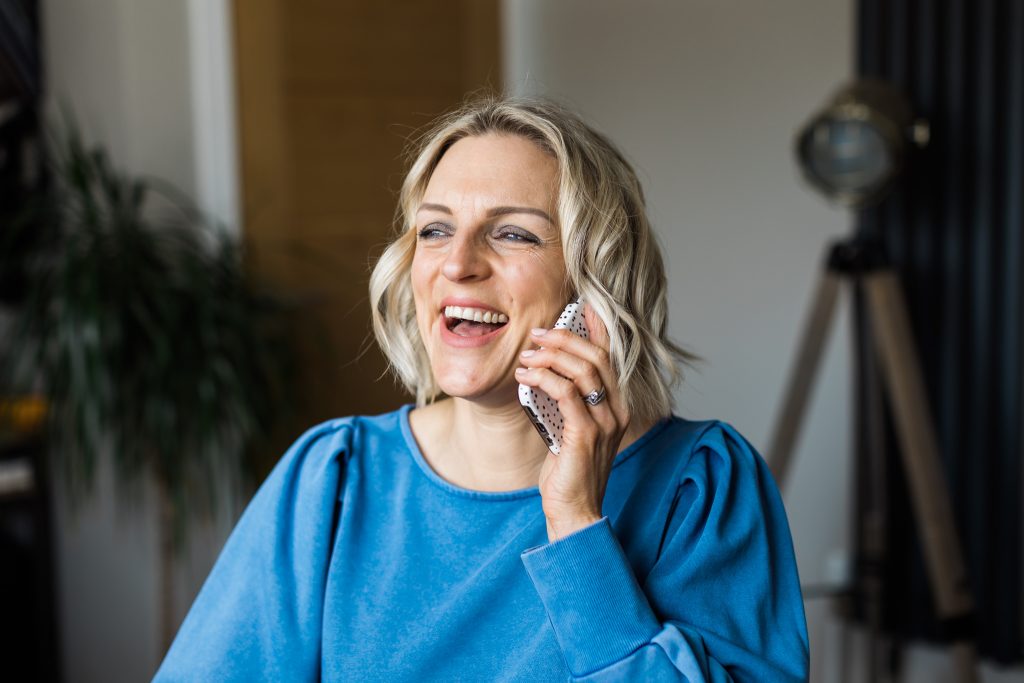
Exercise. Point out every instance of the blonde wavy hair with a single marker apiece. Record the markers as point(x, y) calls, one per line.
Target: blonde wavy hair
point(611, 255)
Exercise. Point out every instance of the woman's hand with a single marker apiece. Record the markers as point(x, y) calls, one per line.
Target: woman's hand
point(572, 483)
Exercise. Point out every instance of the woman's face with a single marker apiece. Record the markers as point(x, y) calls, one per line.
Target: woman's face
point(487, 249)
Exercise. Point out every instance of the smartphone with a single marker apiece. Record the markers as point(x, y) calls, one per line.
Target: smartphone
point(539, 407)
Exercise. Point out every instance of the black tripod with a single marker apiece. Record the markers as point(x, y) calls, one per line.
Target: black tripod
point(863, 264)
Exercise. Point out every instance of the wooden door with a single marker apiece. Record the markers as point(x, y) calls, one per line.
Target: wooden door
point(328, 93)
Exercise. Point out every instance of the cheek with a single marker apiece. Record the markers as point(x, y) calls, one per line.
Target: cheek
point(418, 270)
point(422, 274)
point(420, 280)
point(538, 281)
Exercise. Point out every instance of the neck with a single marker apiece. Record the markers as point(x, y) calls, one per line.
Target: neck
point(513, 454)
point(487, 447)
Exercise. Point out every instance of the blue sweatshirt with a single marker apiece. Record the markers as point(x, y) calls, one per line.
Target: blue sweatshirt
point(355, 561)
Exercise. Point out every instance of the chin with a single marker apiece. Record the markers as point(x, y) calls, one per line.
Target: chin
point(475, 389)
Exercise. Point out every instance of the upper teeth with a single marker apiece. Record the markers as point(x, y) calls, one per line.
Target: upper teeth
point(475, 314)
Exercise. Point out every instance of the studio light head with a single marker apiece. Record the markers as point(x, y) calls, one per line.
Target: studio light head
point(856, 146)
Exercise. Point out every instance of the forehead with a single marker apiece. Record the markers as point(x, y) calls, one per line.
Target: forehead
point(494, 169)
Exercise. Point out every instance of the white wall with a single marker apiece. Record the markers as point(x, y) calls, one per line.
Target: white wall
point(123, 65)
point(704, 97)
point(142, 79)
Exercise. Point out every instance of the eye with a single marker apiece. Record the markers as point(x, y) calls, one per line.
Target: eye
point(511, 233)
point(434, 231)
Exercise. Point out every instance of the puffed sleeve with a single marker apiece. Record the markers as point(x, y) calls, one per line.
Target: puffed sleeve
point(258, 616)
point(721, 603)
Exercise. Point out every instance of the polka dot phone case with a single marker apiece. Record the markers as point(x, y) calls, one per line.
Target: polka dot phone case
point(540, 408)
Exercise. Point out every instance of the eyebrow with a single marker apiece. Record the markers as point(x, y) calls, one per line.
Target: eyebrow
point(491, 213)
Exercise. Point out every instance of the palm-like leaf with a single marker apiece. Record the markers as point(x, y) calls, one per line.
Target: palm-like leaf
point(148, 336)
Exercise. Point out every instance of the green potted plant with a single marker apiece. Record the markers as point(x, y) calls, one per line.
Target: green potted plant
point(149, 341)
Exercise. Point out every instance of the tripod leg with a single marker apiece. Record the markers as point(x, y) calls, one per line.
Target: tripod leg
point(802, 377)
point(871, 503)
point(919, 448)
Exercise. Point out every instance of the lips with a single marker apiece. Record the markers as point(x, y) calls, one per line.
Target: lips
point(468, 322)
point(458, 311)
point(472, 322)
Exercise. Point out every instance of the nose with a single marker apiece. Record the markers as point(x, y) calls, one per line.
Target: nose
point(464, 260)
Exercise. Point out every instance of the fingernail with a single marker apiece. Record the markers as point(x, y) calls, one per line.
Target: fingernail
point(527, 353)
point(538, 331)
point(520, 371)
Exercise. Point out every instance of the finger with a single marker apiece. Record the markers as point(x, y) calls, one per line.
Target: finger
point(564, 340)
point(596, 327)
point(578, 418)
point(573, 343)
point(584, 375)
point(599, 337)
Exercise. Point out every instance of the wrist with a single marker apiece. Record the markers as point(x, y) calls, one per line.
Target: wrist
point(561, 528)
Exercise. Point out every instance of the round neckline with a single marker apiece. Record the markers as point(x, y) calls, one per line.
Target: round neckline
point(441, 482)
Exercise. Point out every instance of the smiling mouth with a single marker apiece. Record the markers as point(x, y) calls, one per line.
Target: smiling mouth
point(472, 322)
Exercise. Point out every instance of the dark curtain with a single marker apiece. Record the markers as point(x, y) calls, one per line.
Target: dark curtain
point(954, 231)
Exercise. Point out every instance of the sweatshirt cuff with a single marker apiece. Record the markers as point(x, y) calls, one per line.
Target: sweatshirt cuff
point(597, 608)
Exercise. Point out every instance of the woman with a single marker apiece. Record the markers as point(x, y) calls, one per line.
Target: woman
point(445, 541)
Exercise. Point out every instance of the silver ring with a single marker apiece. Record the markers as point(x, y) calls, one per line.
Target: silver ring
point(594, 397)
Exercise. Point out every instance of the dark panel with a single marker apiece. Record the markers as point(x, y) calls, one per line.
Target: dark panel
point(953, 232)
